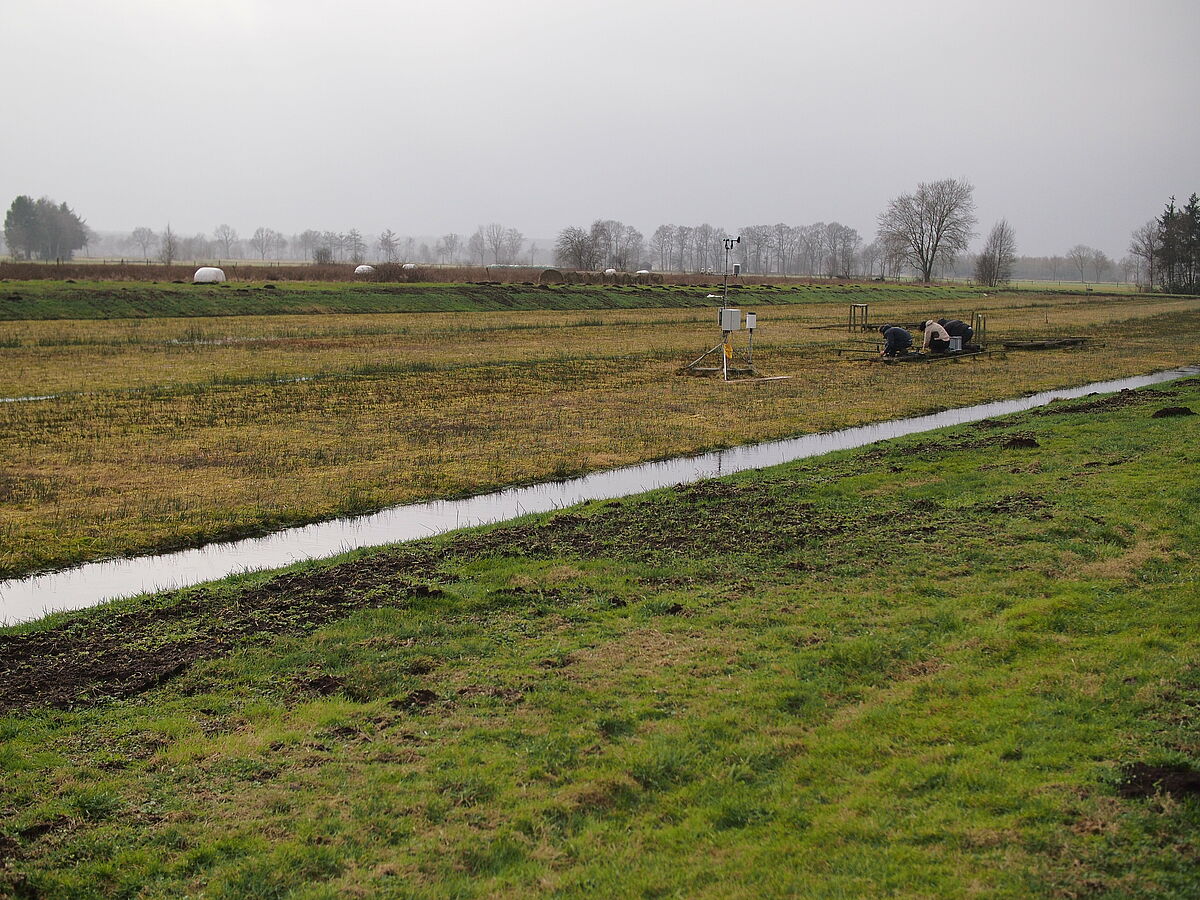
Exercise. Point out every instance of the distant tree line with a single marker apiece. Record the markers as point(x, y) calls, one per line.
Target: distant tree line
point(43, 229)
point(1167, 248)
point(822, 249)
point(489, 244)
point(924, 233)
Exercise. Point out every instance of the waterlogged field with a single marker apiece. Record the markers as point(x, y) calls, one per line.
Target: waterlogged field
point(169, 431)
point(958, 664)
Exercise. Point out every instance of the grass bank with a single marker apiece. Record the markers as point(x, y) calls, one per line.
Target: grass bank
point(119, 300)
point(962, 663)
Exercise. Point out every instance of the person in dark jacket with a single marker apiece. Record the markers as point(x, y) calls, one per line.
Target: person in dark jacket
point(897, 340)
point(958, 328)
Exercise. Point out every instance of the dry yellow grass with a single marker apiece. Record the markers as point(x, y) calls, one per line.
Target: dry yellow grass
point(169, 432)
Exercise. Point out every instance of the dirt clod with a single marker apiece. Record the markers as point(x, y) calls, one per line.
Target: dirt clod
point(1018, 442)
point(418, 699)
point(323, 684)
point(508, 695)
point(1143, 780)
point(1168, 412)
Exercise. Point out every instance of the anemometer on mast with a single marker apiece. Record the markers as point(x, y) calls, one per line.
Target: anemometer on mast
point(730, 320)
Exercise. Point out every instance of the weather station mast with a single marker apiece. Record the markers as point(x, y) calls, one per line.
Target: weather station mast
point(730, 321)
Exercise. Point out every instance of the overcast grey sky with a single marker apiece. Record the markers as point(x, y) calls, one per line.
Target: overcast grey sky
point(1075, 119)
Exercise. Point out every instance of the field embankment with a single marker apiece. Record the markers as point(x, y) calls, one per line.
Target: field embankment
point(956, 664)
point(32, 300)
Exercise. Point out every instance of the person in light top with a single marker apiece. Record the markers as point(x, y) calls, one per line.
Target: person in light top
point(937, 338)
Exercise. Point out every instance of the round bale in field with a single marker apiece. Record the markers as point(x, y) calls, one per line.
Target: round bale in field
point(365, 270)
point(551, 276)
point(208, 275)
point(409, 266)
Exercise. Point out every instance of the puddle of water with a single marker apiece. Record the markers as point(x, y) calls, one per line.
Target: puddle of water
point(29, 598)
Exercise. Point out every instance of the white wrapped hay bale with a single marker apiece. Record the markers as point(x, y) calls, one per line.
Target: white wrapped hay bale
point(208, 275)
point(365, 270)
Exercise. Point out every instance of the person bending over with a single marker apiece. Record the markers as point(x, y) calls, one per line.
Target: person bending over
point(937, 338)
point(958, 328)
point(896, 340)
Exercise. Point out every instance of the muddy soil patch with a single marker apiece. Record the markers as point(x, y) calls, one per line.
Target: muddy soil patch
point(1015, 439)
point(1119, 400)
point(1169, 412)
point(99, 658)
point(1140, 780)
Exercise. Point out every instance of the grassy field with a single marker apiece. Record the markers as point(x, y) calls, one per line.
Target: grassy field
point(171, 431)
point(960, 664)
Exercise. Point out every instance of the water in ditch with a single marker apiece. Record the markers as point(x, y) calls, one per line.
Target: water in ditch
point(23, 599)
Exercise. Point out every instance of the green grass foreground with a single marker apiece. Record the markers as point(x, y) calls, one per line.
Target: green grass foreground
point(923, 669)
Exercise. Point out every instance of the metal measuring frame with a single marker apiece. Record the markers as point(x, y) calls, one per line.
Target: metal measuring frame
point(730, 320)
point(859, 319)
point(979, 327)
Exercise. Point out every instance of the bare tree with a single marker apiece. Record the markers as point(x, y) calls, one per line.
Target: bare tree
point(1129, 267)
point(754, 248)
point(511, 247)
point(662, 245)
point(933, 225)
point(575, 248)
point(452, 244)
point(1081, 255)
point(869, 255)
point(1145, 244)
point(494, 236)
point(783, 242)
point(994, 264)
point(168, 248)
point(356, 245)
point(225, 237)
point(627, 251)
point(1101, 265)
point(684, 237)
point(145, 238)
point(308, 241)
point(260, 241)
point(477, 246)
point(841, 243)
point(387, 245)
